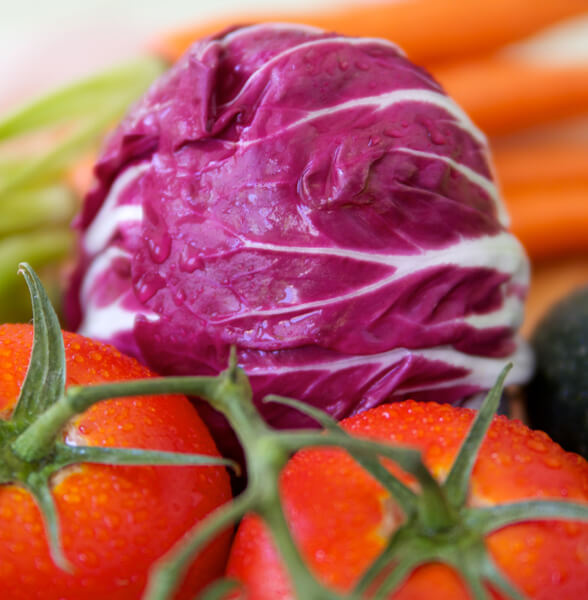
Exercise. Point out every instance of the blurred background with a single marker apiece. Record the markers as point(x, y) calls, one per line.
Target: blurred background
point(519, 67)
point(46, 43)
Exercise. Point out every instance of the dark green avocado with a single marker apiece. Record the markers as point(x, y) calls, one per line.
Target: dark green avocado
point(557, 397)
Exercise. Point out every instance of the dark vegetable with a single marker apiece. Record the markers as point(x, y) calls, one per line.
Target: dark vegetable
point(558, 394)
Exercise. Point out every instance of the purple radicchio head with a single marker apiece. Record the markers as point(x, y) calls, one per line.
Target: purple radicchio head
point(316, 201)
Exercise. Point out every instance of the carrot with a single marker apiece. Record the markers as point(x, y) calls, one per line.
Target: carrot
point(550, 220)
point(541, 163)
point(80, 176)
point(502, 94)
point(428, 30)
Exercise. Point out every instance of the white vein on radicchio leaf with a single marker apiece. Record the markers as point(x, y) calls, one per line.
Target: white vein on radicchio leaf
point(319, 202)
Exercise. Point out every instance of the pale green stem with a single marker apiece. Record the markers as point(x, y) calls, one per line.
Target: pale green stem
point(168, 571)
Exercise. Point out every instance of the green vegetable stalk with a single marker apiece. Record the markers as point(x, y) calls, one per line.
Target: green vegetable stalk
point(39, 144)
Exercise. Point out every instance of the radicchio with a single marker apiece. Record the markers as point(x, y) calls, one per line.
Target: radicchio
point(318, 202)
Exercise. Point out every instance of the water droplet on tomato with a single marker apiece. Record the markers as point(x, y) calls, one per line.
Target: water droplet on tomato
point(552, 462)
point(537, 446)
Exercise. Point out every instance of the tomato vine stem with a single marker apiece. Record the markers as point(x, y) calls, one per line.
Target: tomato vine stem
point(438, 526)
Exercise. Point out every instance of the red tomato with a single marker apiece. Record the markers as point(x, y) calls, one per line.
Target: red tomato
point(341, 517)
point(115, 520)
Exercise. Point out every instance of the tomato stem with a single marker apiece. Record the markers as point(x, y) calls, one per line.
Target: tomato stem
point(38, 485)
point(435, 513)
point(302, 580)
point(38, 439)
point(69, 455)
point(486, 520)
point(403, 495)
point(45, 379)
point(169, 569)
point(456, 485)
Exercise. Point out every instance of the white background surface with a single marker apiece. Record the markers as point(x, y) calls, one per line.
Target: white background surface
point(46, 42)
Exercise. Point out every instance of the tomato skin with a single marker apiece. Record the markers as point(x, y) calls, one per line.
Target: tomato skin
point(115, 520)
point(341, 517)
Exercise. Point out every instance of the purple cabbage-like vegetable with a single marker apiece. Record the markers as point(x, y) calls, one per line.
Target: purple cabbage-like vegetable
point(316, 201)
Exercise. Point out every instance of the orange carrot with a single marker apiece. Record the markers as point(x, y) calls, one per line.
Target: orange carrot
point(80, 176)
point(542, 163)
point(428, 30)
point(503, 94)
point(550, 220)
